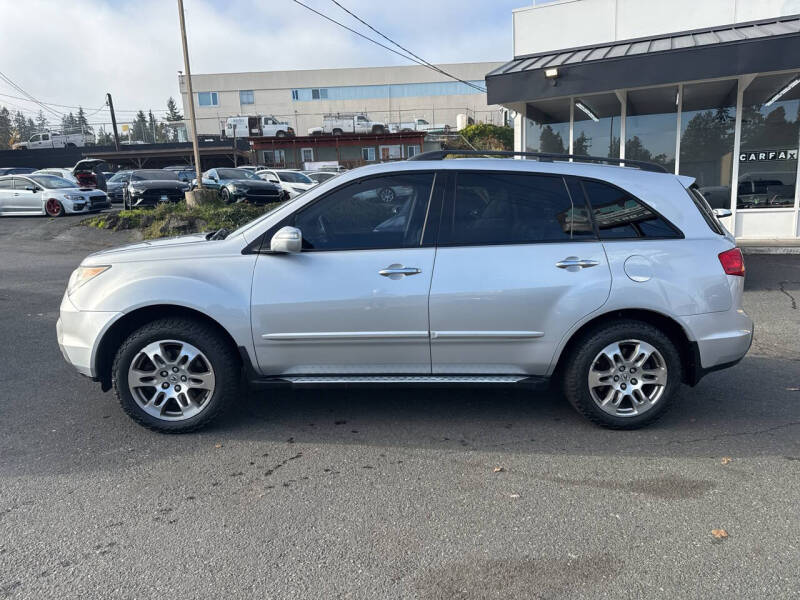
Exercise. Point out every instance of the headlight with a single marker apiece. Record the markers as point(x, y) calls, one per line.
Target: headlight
point(135, 191)
point(73, 197)
point(83, 274)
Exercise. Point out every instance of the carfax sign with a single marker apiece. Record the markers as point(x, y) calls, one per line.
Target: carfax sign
point(762, 155)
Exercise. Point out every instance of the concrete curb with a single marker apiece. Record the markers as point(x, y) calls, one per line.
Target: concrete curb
point(770, 249)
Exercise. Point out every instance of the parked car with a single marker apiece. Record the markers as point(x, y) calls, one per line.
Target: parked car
point(272, 127)
point(320, 176)
point(53, 140)
point(341, 123)
point(293, 182)
point(38, 194)
point(115, 186)
point(334, 288)
point(151, 187)
point(240, 185)
point(16, 170)
point(85, 172)
point(417, 125)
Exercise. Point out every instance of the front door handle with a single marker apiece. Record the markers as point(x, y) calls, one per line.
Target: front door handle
point(573, 263)
point(397, 271)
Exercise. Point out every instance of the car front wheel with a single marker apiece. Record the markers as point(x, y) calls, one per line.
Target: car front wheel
point(175, 375)
point(624, 375)
point(53, 208)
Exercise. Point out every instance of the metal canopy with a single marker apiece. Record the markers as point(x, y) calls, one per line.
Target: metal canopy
point(729, 50)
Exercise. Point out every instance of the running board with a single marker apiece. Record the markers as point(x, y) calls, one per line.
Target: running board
point(369, 380)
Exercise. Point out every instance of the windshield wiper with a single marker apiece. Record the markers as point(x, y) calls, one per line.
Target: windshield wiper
point(219, 234)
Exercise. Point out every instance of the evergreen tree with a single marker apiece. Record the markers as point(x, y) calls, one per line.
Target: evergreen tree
point(82, 123)
point(5, 128)
point(172, 111)
point(21, 130)
point(152, 128)
point(69, 124)
point(140, 127)
point(41, 121)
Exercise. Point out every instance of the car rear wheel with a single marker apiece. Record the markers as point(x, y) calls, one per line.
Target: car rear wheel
point(175, 375)
point(624, 375)
point(337, 132)
point(53, 208)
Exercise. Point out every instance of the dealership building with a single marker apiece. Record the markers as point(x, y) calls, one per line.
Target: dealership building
point(386, 94)
point(707, 89)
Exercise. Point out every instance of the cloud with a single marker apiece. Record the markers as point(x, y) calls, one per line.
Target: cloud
point(81, 49)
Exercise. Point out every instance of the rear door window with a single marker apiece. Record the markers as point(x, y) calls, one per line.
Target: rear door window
point(619, 215)
point(490, 208)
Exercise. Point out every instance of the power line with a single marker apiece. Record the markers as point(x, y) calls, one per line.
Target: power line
point(24, 93)
point(332, 20)
point(425, 62)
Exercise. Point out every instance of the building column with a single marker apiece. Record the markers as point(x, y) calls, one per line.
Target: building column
point(744, 81)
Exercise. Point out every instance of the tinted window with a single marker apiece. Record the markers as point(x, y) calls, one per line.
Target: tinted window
point(51, 182)
point(5, 184)
point(505, 208)
point(235, 174)
point(381, 212)
point(620, 215)
point(293, 177)
point(705, 210)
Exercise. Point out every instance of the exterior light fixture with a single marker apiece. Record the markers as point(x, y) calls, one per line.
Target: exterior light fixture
point(551, 73)
point(587, 111)
point(779, 94)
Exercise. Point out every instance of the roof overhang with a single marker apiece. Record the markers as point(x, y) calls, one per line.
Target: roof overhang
point(728, 51)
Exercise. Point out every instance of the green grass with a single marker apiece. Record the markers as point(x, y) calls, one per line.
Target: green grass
point(158, 222)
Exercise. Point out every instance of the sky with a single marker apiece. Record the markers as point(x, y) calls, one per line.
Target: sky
point(74, 51)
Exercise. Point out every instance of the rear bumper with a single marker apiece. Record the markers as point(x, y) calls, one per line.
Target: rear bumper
point(721, 340)
point(78, 333)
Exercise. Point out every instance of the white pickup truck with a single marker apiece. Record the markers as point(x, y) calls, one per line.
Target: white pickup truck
point(417, 125)
point(340, 123)
point(53, 140)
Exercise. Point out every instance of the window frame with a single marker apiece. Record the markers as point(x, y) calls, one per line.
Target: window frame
point(580, 179)
point(449, 208)
point(252, 96)
point(212, 96)
point(302, 150)
point(430, 226)
point(370, 152)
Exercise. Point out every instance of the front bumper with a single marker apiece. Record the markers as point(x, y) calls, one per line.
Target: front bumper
point(79, 333)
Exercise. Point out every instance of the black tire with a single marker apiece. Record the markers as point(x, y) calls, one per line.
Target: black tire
point(378, 130)
point(586, 349)
point(280, 134)
point(225, 195)
point(222, 359)
point(337, 132)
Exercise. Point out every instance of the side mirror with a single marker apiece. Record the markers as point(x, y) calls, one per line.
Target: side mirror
point(273, 180)
point(212, 178)
point(287, 240)
point(32, 188)
point(721, 213)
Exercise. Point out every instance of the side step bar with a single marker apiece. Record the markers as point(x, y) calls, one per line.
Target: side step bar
point(381, 380)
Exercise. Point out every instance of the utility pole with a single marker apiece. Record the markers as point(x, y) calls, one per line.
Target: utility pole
point(190, 95)
point(234, 146)
point(113, 120)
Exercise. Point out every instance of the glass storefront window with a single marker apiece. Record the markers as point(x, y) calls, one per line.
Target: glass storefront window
point(770, 132)
point(651, 125)
point(597, 126)
point(547, 126)
point(708, 125)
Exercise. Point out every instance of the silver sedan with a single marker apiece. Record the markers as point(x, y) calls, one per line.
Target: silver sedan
point(47, 195)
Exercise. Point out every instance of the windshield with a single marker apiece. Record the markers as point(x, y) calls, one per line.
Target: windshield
point(235, 174)
point(120, 177)
point(293, 177)
point(154, 175)
point(51, 182)
point(258, 220)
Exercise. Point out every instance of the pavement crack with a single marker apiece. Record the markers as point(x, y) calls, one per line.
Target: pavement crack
point(782, 285)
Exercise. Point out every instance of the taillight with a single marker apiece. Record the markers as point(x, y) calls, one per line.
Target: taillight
point(732, 262)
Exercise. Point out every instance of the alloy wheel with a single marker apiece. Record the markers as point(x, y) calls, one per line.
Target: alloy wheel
point(627, 378)
point(53, 207)
point(171, 380)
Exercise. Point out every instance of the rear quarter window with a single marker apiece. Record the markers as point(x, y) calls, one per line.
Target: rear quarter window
point(619, 215)
point(705, 210)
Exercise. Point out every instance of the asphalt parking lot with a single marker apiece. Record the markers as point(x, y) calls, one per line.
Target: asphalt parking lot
point(391, 494)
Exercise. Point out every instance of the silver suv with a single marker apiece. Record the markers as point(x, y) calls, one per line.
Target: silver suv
point(616, 282)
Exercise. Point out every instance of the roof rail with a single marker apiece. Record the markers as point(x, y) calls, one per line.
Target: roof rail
point(543, 157)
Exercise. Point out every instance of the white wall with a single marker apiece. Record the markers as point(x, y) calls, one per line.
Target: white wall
point(574, 23)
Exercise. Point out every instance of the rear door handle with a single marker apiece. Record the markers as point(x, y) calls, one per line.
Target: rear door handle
point(573, 263)
point(398, 271)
